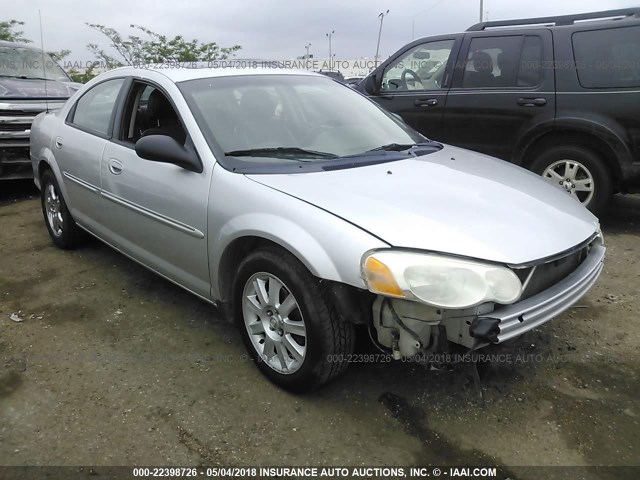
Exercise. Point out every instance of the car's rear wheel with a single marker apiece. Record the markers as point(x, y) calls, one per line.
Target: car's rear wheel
point(579, 172)
point(63, 230)
point(287, 325)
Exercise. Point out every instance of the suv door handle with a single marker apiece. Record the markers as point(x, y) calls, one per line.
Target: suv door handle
point(532, 102)
point(426, 102)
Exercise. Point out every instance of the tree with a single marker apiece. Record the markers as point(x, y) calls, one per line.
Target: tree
point(155, 48)
point(9, 34)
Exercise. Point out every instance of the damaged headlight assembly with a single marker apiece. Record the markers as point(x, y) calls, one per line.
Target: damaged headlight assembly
point(438, 280)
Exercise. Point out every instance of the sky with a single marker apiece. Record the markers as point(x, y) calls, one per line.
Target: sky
point(276, 29)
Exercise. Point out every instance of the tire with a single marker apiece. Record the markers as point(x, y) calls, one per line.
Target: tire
point(552, 163)
point(291, 308)
point(63, 230)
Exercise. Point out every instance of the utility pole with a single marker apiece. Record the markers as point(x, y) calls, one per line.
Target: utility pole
point(329, 35)
point(481, 9)
point(381, 17)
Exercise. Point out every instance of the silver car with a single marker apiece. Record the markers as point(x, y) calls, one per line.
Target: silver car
point(303, 209)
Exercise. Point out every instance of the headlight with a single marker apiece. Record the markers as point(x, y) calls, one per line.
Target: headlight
point(438, 280)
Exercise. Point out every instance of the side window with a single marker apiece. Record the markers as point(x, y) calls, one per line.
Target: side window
point(148, 111)
point(503, 62)
point(530, 72)
point(608, 58)
point(94, 109)
point(421, 68)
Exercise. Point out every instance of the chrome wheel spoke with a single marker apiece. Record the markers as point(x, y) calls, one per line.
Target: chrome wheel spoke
point(292, 346)
point(570, 169)
point(275, 286)
point(553, 175)
point(260, 288)
point(256, 328)
point(269, 348)
point(287, 306)
point(282, 355)
point(295, 328)
point(252, 304)
point(585, 185)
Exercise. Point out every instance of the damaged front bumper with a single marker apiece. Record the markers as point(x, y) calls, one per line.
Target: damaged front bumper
point(407, 328)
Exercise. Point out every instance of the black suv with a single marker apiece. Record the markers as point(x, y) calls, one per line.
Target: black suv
point(560, 96)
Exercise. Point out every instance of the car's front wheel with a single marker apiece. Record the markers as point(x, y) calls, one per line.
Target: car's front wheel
point(287, 325)
point(63, 230)
point(579, 172)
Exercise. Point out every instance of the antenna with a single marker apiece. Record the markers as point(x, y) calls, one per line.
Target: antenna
point(44, 66)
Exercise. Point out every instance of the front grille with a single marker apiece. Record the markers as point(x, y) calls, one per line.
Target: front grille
point(14, 127)
point(545, 275)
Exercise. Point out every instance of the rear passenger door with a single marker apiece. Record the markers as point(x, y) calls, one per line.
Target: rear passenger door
point(503, 86)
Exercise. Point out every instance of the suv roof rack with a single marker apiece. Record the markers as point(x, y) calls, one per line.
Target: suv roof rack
point(559, 20)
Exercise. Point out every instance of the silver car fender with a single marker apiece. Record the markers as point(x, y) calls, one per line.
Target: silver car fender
point(241, 209)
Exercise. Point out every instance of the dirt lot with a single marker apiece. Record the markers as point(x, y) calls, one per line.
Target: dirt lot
point(114, 366)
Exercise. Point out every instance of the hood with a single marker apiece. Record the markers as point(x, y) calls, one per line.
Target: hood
point(24, 88)
point(453, 201)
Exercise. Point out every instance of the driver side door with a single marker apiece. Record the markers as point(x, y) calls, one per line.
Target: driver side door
point(415, 83)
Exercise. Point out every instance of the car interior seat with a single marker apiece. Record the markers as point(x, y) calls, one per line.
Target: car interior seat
point(482, 73)
point(163, 118)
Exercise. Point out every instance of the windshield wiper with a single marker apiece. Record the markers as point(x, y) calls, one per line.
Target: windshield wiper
point(398, 147)
point(23, 77)
point(276, 151)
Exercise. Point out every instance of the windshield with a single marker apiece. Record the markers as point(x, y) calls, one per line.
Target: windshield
point(21, 62)
point(291, 117)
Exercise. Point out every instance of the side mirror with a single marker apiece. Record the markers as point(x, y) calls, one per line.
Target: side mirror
point(165, 149)
point(371, 85)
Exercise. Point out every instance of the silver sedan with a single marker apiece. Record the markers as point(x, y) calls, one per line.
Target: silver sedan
point(303, 209)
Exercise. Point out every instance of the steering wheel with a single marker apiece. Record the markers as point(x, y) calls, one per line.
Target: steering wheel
point(416, 79)
point(314, 130)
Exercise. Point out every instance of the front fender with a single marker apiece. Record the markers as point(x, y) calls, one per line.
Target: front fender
point(327, 245)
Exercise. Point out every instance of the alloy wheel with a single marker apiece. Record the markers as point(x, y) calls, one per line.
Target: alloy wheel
point(53, 208)
point(573, 177)
point(274, 322)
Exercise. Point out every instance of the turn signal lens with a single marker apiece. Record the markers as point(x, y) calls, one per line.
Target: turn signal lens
point(380, 279)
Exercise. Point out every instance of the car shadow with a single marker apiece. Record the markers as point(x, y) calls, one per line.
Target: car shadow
point(12, 191)
point(622, 215)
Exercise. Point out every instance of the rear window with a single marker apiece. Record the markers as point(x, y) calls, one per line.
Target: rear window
point(608, 58)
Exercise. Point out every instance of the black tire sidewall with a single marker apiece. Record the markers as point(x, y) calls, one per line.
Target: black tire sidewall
point(315, 312)
point(592, 161)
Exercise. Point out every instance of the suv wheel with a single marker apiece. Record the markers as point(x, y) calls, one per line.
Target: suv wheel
point(286, 324)
point(579, 172)
point(63, 230)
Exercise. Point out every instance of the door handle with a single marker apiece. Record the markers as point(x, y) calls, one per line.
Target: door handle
point(115, 166)
point(532, 102)
point(58, 142)
point(426, 102)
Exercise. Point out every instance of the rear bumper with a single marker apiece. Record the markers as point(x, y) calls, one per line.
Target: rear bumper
point(514, 320)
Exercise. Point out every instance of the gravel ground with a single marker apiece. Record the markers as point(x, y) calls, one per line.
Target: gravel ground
point(112, 365)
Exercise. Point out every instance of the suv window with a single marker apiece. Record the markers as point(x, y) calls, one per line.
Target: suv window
point(421, 68)
point(94, 109)
point(506, 61)
point(608, 58)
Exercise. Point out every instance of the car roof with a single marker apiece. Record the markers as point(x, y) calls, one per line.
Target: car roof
point(183, 73)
